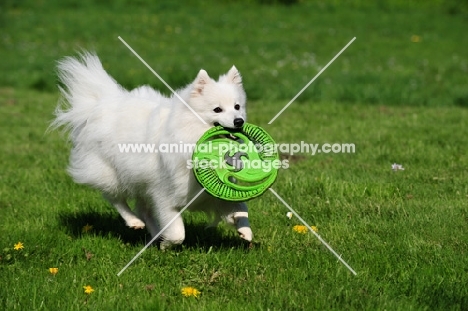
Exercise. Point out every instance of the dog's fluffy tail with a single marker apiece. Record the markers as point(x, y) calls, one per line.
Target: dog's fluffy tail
point(84, 84)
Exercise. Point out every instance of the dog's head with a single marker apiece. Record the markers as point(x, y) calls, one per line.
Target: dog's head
point(220, 102)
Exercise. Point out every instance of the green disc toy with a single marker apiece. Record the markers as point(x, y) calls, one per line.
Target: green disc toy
point(236, 164)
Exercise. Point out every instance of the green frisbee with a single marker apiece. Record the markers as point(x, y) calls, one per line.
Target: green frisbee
point(236, 164)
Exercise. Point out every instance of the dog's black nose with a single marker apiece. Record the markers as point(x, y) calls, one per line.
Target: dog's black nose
point(238, 122)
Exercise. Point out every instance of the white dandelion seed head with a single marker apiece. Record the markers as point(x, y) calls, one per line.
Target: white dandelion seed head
point(397, 167)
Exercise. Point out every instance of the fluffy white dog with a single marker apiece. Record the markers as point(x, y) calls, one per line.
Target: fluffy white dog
point(101, 114)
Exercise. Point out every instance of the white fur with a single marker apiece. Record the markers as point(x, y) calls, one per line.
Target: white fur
point(101, 114)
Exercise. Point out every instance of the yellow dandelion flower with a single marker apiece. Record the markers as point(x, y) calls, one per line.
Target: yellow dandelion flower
point(314, 228)
point(88, 289)
point(53, 271)
point(300, 229)
point(415, 38)
point(190, 291)
point(87, 228)
point(19, 246)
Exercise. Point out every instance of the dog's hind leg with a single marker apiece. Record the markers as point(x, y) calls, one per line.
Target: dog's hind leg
point(168, 218)
point(122, 207)
point(143, 210)
point(175, 233)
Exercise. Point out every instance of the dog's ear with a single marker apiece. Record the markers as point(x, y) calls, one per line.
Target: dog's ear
point(233, 76)
point(200, 81)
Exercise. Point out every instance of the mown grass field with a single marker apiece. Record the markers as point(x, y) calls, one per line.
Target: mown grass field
point(399, 93)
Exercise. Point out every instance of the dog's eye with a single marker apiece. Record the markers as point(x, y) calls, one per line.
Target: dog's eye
point(237, 107)
point(217, 110)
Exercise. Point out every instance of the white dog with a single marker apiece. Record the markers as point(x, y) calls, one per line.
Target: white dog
point(101, 115)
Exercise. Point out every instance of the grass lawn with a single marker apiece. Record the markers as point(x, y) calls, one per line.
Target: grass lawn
point(398, 93)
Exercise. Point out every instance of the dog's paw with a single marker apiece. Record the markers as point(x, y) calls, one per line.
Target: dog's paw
point(136, 223)
point(245, 233)
point(167, 245)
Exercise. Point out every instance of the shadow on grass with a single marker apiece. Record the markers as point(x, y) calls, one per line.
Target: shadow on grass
point(199, 237)
point(113, 226)
point(103, 224)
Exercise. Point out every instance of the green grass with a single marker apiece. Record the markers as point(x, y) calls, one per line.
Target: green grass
point(403, 232)
point(281, 46)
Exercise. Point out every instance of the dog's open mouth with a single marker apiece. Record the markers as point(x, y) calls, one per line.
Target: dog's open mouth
point(232, 129)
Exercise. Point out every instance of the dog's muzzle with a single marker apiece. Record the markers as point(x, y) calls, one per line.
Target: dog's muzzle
point(238, 122)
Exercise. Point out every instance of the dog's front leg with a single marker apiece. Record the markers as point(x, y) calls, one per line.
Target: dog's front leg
point(240, 219)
